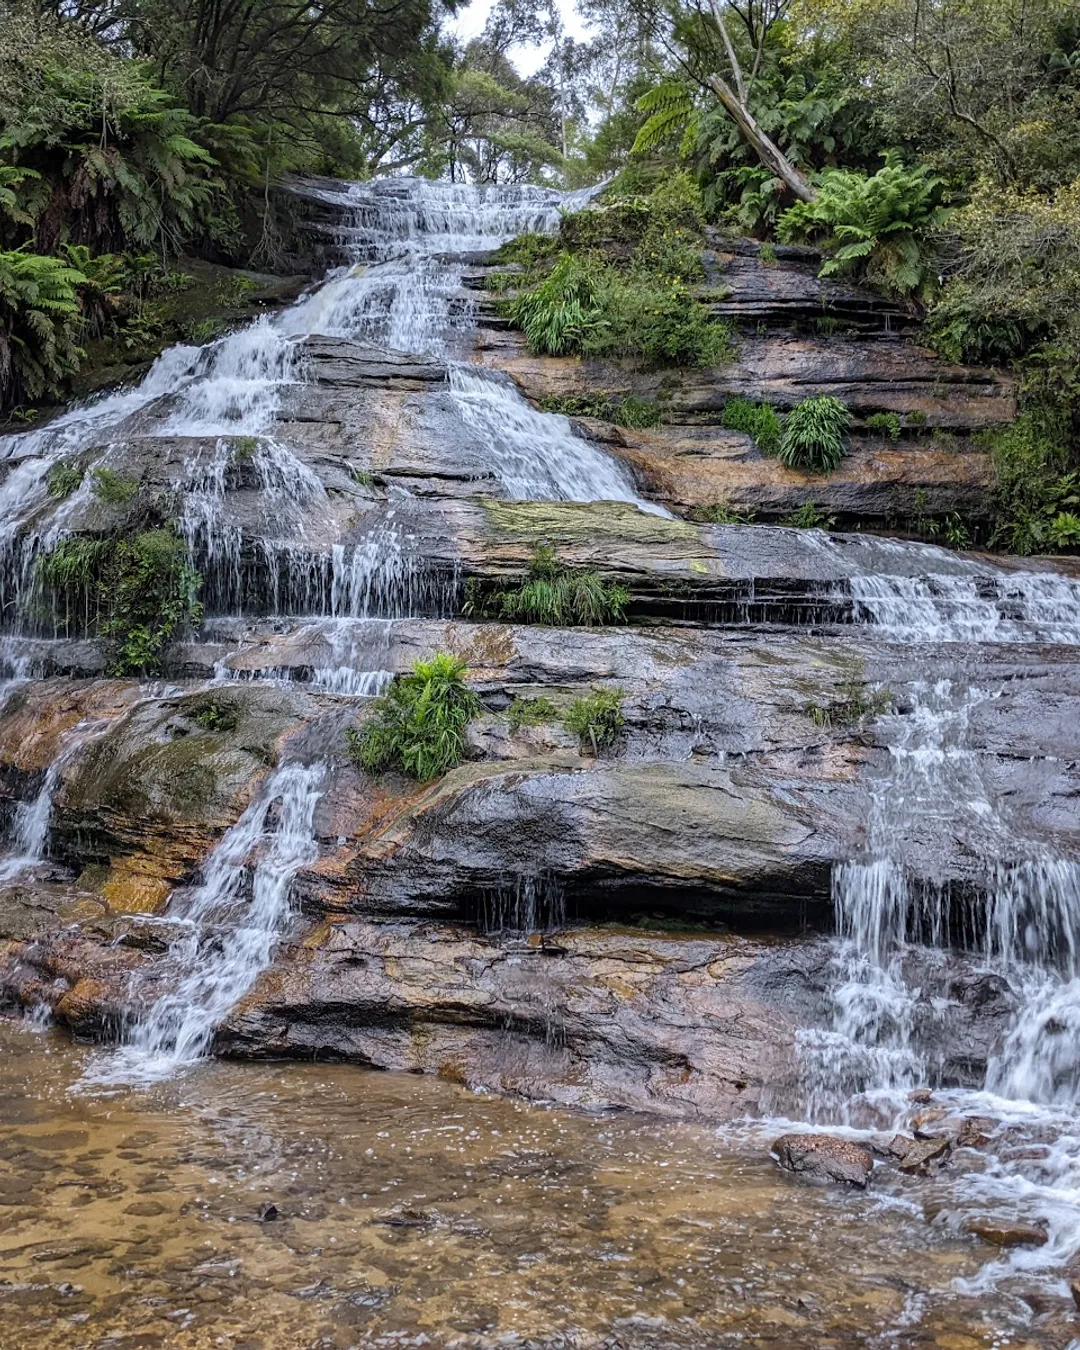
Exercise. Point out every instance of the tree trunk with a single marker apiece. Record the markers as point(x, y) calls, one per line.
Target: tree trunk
point(766, 150)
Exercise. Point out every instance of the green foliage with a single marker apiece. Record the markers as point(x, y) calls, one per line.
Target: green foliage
point(596, 719)
point(888, 423)
point(813, 435)
point(1036, 493)
point(623, 286)
point(635, 413)
point(530, 712)
point(362, 477)
point(767, 254)
point(759, 421)
point(555, 596)
point(39, 312)
point(217, 717)
point(114, 488)
point(857, 703)
point(877, 229)
point(723, 513)
point(808, 517)
point(64, 479)
point(244, 449)
point(137, 593)
point(418, 726)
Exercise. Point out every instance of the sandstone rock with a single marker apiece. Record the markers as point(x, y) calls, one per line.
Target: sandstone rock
point(1005, 1233)
point(921, 1097)
point(920, 1155)
point(825, 1157)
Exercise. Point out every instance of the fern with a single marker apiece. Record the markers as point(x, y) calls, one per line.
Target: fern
point(671, 112)
point(877, 229)
point(39, 312)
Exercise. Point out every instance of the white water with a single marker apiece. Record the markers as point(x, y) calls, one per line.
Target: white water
point(894, 1013)
point(233, 922)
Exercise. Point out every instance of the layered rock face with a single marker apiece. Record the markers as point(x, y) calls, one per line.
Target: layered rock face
point(641, 925)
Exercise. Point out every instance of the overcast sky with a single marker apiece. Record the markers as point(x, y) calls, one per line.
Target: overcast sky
point(469, 23)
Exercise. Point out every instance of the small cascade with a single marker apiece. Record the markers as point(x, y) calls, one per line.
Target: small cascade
point(32, 819)
point(902, 918)
point(231, 923)
point(533, 903)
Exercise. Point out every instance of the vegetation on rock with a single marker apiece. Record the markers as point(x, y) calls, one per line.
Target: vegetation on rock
point(761, 422)
point(596, 718)
point(554, 595)
point(418, 726)
point(813, 435)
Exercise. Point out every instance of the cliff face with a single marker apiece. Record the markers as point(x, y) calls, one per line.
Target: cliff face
point(639, 926)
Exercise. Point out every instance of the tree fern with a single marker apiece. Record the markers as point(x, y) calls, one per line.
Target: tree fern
point(39, 312)
point(671, 111)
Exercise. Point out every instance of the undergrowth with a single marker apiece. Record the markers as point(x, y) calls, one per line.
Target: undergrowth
point(137, 593)
point(596, 719)
point(530, 712)
point(813, 435)
point(759, 421)
point(553, 595)
point(635, 413)
point(418, 726)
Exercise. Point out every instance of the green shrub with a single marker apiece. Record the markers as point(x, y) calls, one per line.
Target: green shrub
point(596, 719)
point(723, 513)
point(244, 448)
point(418, 726)
point(808, 517)
point(114, 488)
point(553, 595)
point(888, 423)
point(759, 421)
point(767, 254)
point(813, 435)
point(217, 717)
point(555, 315)
point(1034, 484)
point(857, 703)
point(878, 229)
point(137, 593)
point(64, 479)
point(530, 712)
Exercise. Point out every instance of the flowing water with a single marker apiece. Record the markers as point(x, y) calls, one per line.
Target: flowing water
point(410, 1212)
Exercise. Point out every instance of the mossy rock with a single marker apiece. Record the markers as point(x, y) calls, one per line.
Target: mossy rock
point(570, 523)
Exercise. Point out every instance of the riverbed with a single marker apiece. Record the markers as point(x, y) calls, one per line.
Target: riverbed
point(288, 1207)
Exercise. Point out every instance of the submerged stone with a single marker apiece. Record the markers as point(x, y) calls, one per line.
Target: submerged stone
point(825, 1157)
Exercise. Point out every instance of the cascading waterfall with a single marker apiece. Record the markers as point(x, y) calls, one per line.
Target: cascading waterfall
point(232, 923)
point(1020, 922)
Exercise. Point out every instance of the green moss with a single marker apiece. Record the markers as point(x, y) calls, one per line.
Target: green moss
point(723, 513)
point(630, 411)
point(570, 523)
point(218, 717)
point(418, 726)
point(596, 719)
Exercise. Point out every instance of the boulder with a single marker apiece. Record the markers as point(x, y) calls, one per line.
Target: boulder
point(920, 1155)
point(1007, 1233)
point(824, 1157)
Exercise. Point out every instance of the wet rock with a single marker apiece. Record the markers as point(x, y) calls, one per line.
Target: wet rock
point(145, 1209)
point(921, 1097)
point(824, 1157)
point(976, 1132)
point(1006, 1233)
point(920, 1155)
point(1074, 1289)
point(268, 1213)
point(407, 1218)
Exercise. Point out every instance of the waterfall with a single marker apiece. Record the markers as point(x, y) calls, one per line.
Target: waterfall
point(900, 916)
point(231, 925)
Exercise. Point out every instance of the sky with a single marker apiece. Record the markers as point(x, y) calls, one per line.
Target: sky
point(469, 23)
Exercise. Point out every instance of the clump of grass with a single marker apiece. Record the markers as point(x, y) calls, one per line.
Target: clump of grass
point(813, 436)
point(759, 421)
point(856, 704)
point(362, 477)
point(418, 726)
point(553, 595)
point(723, 513)
point(596, 718)
point(888, 423)
point(530, 712)
point(638, 414)
point(244, 448)
point(115, 488)
point(808, 517)
point(64, 479)
point(215, 716)
point(767, 254)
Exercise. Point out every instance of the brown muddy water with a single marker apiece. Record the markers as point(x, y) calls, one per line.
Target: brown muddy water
point(412, 1212)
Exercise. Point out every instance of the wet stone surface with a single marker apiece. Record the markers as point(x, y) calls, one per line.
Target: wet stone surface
point(407, 1211)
